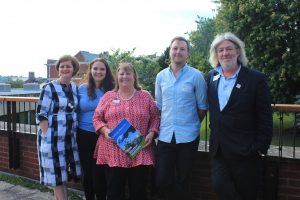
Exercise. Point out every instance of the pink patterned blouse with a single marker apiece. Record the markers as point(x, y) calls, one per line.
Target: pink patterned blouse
point(140, 111)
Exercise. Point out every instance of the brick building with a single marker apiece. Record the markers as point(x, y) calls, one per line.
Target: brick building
point(84, 57)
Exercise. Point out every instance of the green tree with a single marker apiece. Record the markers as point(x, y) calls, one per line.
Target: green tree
point(200, 40)
point(146, 66)
point(118, 56)
point(271, 32)
point(16, 84)
point(164, 59)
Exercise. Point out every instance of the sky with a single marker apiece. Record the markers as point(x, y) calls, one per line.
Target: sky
point(32, 31)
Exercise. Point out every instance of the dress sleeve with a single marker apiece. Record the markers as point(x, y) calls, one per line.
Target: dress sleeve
point(44, 104)
point(102, 107)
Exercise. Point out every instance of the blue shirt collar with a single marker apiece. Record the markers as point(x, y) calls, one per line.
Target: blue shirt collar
point(181, 70)
point(220, 71)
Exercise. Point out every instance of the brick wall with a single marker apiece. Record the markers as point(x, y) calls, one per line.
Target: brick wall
point(288, 171)
point(200, 178)
point(3, 152)
point(28, 153)
point(289, 180)
point(28, 156)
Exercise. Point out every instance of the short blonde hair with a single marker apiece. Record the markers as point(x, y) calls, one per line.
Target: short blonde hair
point(213, 57)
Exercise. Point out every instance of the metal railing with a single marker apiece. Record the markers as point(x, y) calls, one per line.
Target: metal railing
point(286, 136)
point(290, 135)
point(17, 115)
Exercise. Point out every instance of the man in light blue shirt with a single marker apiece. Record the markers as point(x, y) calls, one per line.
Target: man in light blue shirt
point(180, 93)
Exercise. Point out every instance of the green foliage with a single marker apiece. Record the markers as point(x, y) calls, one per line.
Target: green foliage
point(164, 59)
point(118, 57)
point(200, 43)
point(297, 115)
point(271, 32)
point(288, 134)
point(16, 84)
point(24, 182)
point(146, 66)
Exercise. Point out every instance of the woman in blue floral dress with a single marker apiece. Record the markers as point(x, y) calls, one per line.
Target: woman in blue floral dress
point(57, 119)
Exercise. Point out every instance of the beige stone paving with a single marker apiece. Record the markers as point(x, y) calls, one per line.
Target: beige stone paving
point(15, 192)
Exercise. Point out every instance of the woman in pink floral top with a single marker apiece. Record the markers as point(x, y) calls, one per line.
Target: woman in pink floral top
point(138, 107)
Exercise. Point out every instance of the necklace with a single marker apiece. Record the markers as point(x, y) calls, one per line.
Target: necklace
point(126, 99)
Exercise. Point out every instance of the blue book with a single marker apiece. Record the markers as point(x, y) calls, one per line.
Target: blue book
point(128, 138)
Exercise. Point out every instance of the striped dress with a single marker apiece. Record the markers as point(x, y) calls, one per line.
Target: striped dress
point(57, 149)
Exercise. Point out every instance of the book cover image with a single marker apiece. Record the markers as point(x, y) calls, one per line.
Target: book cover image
point(128, 138)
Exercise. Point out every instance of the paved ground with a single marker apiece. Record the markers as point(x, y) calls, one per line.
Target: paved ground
point(16, 192)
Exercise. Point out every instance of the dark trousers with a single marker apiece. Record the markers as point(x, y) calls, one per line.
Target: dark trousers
point(94, 181)
point(173, 167)
point(136, 177)
point(236, 179)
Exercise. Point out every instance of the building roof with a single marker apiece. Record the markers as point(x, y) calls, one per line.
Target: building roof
point(87, 56)
point(82, 56)
point(51, 61)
